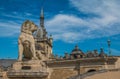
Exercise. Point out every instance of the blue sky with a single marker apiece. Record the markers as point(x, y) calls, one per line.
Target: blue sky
point(87, 23)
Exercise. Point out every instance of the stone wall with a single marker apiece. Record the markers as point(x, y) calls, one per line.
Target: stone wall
point(65, 73)
point(62, 73)
point(117, 64)
point(106, 75)
point(64, 69)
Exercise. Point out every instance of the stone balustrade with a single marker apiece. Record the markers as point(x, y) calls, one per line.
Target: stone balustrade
point(27, 74)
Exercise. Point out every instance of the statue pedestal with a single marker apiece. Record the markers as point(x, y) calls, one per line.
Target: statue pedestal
point(33, 69)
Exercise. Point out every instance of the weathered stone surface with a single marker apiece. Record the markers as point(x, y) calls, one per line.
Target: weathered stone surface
point(26, 41)
point(28, 74)
point(62, 69)
point(32, 65)
point(33, 69)
point(62, 73)
point(106, 75)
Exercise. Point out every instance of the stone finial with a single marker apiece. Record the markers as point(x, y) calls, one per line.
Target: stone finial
point(90, 54)
point(56, 57)
point(66, 55)
point(51, 39)
point(102, 53)
point(95, 52)
point(61, 57)
point(71, 56)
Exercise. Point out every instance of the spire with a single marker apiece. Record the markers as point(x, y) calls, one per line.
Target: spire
point(41, 32)
point(76, 47)
point(42, 13)
point(42, 18)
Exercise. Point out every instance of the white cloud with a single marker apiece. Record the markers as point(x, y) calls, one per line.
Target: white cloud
point(108, 10)
point(115, 52)
point(9, 28)
point(71, 28)
point(65, 27)
point(10, 25)
point(14, 15)
point(28, 14)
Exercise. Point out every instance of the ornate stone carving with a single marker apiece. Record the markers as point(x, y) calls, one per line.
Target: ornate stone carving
point(26, 41)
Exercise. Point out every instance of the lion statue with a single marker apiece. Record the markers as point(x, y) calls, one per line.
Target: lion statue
point(26, 42)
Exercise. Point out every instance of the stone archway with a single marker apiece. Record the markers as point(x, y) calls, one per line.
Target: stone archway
point(91, 70)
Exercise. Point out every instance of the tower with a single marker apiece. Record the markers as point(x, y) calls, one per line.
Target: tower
point(43, 42)
point(42, 18)
point(41, 32)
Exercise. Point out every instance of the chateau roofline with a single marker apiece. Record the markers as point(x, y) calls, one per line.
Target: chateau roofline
point(83, 60)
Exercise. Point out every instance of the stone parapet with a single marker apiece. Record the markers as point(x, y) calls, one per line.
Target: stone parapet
point(32, 65)
point(27, 74)
point(83, 61)
point(33, 69)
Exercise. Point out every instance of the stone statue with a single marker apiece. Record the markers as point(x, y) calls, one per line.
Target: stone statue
point(26, 41)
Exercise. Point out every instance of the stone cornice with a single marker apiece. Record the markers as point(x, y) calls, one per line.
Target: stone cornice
point(85, 61)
